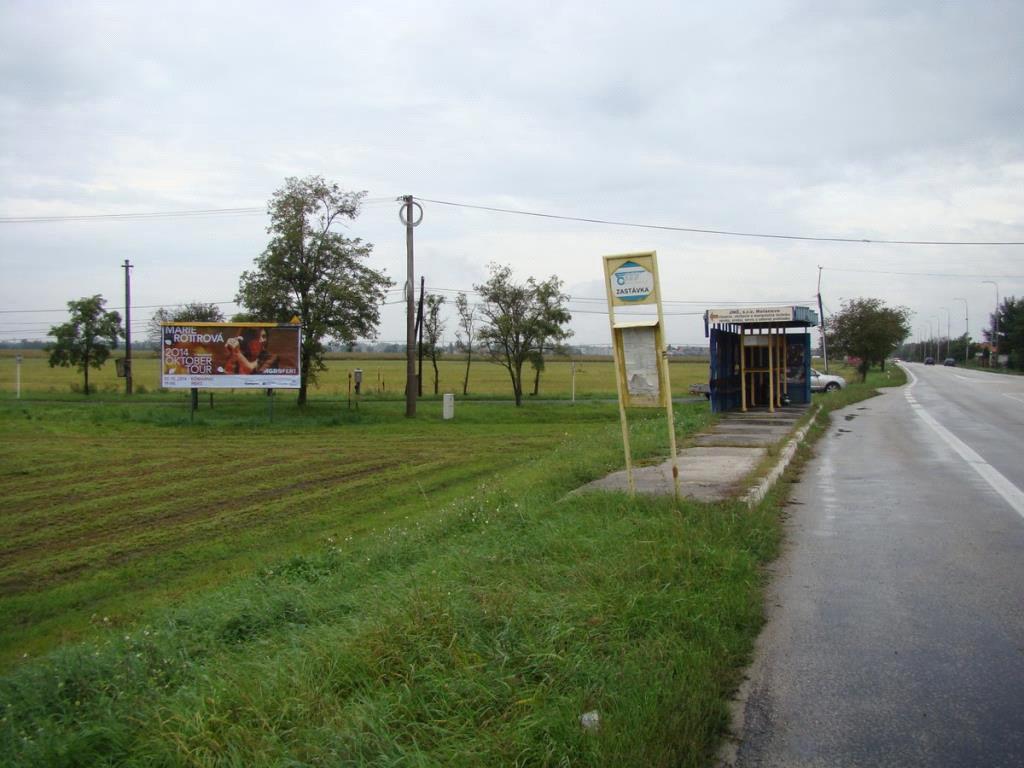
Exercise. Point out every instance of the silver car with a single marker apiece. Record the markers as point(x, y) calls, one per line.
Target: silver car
point(824, 382)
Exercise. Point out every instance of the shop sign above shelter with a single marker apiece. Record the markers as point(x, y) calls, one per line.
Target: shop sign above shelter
point(743, 315)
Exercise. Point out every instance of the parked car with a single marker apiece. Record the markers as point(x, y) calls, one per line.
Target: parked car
point(824, 382)
point(929, 361)
point(949, 361)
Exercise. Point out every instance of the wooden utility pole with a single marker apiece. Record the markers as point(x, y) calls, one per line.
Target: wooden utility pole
point(127, 328)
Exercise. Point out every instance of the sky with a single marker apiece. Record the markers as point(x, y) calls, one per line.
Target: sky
point(896, 120)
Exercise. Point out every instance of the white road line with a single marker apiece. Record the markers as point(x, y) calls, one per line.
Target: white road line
point(1014, 396)
point(979, 379)
point(999, 482)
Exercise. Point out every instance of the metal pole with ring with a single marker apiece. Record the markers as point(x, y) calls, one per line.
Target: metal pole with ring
point(405, 215)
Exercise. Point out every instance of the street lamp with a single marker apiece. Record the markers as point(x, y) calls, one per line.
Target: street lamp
point(947, 330)
point(935, 331)
point(995, 337)
point(967, 332)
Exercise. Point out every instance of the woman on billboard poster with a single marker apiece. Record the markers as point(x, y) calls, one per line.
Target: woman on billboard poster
point(248, 353)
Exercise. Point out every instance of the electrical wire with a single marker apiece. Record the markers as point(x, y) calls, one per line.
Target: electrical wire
point(920, 274)
point(724, 232)
point(241, 211)
point(127, 216)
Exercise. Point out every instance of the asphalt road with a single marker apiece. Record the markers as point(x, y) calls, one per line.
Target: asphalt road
point(896, 614)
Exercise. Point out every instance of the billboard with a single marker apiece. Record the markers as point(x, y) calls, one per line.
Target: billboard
point(228, 355)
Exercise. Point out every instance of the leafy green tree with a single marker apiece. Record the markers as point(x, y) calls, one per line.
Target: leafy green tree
point(466, 334)
point(433, 330)
point(314, 273)
point(519, 319)
point(551, 301)
point(86, 339)
point(868, 330)
point(1011, 330)
point(194, 312)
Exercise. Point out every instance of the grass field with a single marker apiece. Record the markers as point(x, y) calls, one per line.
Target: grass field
point(381, 377)
point(110, 509)
point(349, 587)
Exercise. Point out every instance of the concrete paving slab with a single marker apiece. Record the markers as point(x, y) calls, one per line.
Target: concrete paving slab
point(715, 465)
point(705, 474)
point(747, 441)
point(740, 428)
point(762, 422)
point(791, 414)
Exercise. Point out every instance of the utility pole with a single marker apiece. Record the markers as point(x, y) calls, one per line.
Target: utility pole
point(405, 214)
point(947, 330)
point(821, 316)
point(967, 333)
point(127, 328)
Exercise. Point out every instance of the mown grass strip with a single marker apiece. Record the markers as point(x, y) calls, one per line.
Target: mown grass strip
point(474, 633)
point(477, 637)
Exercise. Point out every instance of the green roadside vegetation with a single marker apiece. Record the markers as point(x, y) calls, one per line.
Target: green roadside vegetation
point(383, 378)
point(355, 588)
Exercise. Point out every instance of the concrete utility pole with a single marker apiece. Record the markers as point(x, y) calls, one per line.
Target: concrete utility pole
point(967, 333)
point(947, 330)
point(127, 328)
point(405, 214)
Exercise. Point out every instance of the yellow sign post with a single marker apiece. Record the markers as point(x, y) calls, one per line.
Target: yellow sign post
point(638, 347)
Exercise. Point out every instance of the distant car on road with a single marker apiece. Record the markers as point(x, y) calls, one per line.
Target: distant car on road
point(949, 361)
point(929, 361)
point(824, 382)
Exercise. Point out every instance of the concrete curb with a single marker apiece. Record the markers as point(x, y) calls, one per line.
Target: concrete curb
point(754, 496)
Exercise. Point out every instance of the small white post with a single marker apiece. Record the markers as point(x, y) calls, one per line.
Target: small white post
point(17, 376)
point(449, 406)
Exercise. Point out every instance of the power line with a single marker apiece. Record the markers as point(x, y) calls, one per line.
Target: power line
point(126, 216)
point(724, 232)
point(241, 211)
point(698, 302)
point(920, 274)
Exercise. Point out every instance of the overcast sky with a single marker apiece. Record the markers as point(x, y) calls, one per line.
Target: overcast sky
point(881, 120)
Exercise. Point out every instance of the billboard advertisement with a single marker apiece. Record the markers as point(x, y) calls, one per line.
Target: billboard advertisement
point(229, 355)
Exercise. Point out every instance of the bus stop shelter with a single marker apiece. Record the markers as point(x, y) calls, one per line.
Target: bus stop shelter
point(760, 357)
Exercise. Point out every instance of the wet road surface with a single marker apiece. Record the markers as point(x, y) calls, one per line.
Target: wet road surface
point(896, 613)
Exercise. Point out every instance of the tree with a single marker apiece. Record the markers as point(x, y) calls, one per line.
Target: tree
point(465, 336)
point(551, 300)
point(1011, 330)
point(518, 319)
point(433, 329)
point(194, 312)
point(87, 338)
point(868, 330)
point(313, 273)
